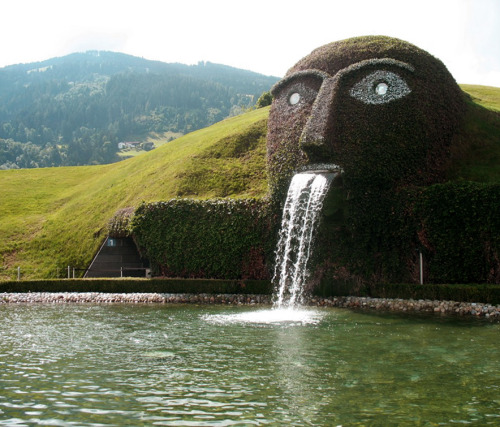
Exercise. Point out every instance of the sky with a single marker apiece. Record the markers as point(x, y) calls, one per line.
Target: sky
point(266, 36)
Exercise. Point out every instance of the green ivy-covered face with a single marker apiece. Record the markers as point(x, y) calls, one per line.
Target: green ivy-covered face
point(381, 109)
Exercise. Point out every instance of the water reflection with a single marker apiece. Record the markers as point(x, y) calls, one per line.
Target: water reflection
point(298, 374)
point(291, 352)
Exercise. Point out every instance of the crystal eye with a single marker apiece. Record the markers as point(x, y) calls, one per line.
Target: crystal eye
point(380, 87)
point(294, 98)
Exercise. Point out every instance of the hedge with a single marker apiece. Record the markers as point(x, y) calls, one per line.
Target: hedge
point(472, 292)
point(488, 294)
point(466, 293)
point(196, 286)
point(219, 239)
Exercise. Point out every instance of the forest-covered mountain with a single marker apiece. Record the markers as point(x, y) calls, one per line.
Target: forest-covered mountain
point(75, 109)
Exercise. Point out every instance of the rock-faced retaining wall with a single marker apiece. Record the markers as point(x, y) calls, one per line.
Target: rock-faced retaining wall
point(359, 303)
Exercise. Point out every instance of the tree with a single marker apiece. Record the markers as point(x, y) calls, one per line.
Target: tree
point(264, 100)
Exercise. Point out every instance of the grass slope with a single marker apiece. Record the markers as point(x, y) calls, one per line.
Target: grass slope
point(54, 217)
point(487, 96)
point(480, 138)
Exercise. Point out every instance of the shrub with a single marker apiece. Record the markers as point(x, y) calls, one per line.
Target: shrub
point(264, 100)
point(195, 286)
point(119, 225)
point(229, 239)
point(459, 232)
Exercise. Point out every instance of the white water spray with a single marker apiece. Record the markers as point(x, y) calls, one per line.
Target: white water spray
point(302, 207)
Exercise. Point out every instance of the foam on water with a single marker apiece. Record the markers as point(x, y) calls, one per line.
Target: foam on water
point(289, 316)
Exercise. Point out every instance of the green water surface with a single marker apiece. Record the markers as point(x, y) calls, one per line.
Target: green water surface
point(133, 365)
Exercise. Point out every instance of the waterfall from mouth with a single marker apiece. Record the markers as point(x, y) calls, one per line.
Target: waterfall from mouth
point(300, 214)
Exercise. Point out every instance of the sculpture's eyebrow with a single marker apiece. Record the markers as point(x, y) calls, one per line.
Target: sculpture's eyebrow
point(317, 74)
point(374, 62)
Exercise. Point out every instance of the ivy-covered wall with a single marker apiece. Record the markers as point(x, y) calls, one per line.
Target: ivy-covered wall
point(224, 239)
point(387, 114)
point(363, 243)
point(459, 232)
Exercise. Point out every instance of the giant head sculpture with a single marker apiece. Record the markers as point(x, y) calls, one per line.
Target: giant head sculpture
point(381, 109)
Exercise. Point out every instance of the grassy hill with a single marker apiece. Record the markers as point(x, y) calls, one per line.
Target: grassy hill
point(55, 217)
point(486, 96)
point(480, 161)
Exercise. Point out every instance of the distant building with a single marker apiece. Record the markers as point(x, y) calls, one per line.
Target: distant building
point(130, 144)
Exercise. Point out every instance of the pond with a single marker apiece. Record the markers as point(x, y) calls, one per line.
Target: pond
point(97, 365)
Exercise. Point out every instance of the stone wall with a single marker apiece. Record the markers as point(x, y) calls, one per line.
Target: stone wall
point(487, 311)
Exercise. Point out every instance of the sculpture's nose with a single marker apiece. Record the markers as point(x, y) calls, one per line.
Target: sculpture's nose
point(316, 139)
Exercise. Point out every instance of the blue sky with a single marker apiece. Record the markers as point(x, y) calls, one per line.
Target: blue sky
point(267, 36)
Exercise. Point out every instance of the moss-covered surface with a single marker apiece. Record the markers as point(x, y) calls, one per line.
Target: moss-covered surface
point(400, 138)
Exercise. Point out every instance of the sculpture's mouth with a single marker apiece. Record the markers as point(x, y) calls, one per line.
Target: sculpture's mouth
point(320, 168)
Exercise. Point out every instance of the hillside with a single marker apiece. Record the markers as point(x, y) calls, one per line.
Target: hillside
point(54, 217)
point(74, 110)
point(486, 96)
